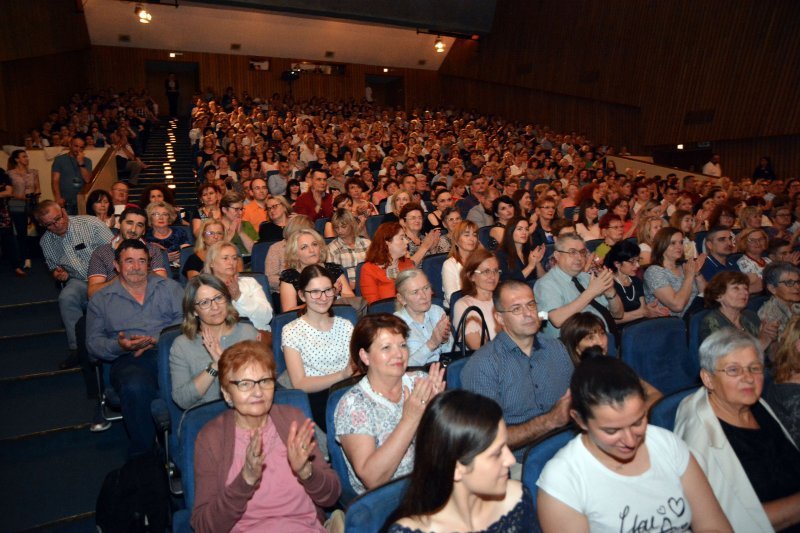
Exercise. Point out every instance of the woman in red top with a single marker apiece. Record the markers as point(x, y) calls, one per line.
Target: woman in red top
point(386, 257)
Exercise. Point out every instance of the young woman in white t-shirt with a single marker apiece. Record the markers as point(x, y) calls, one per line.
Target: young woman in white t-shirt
point(620, 474)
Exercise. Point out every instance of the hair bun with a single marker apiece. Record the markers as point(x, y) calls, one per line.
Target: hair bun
point(592, 352)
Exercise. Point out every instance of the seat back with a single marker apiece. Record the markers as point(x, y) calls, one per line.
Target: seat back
point(484, 237)
point(592, 244)
point(319, 225)
point(335, 451)
point(453, 375)
point(198, 416)
point(700, 241)
point(537, 456)
point(185, 254)
point(371, 510)
point(694, 337)
point(187, 230)
point(372, 224)
point(165, 342)
point(357, 290)
point(382, 306)
point(456, 296)
point(432, 266)
point(663, 413)
point(657, 350)
point(756, 301)
point(258, 256)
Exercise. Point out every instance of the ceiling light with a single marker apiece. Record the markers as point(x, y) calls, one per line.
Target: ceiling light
point(144, 16)
point(386, 70)
point(439, 45)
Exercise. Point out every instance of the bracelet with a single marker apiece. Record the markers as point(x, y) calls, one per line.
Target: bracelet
point(310, 473)
point(210, 370)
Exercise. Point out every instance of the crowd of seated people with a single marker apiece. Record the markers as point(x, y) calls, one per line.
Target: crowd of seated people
point(287, 174)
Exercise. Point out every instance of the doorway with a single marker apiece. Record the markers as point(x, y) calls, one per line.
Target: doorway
point(388, 91)
point(188, 76)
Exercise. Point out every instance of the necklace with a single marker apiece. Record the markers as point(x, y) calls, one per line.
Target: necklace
point(625, 292)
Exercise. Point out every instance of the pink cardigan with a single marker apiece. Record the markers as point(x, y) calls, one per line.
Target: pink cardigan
point(218, 507)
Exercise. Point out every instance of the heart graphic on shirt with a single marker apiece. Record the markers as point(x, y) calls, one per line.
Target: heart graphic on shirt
point(661, 509)
point(677, 506)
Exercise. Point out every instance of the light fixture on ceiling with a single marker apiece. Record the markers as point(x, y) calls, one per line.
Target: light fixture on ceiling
point(439, 46)
point(144, 16)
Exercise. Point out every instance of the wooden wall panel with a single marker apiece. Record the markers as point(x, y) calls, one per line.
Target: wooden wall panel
point(31, 28)
point(123, 67)
point(740, 157)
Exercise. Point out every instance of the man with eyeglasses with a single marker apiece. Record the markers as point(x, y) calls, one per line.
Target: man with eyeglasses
point(568, 288)
point(132, 225)
point(123, 323)
point(719, 247)
point(67, 246)
point(526, 373)
point(69, 173)
point(255, 212)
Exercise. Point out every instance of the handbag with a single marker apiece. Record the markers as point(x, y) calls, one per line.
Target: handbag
point(460, 349)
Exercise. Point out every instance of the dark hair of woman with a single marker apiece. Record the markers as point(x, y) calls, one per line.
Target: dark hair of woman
point(505, 199)
point(367, 329)
point(95, 196)
point(144, 198)
point(309, 273)
point(456, 427)
point(576, 328)
point(661, 243)
point(586, 204)
point(602, 381)
point(621, 252)
point(509, 247)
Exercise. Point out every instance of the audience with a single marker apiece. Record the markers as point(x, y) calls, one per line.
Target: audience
point(429, 327)
point(479, 278)
point(784, 394)
point(673, 279)
point(348, 249)
point(782, 281)
point(386, 257)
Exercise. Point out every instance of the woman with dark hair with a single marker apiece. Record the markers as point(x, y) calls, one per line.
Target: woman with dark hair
point(315, 344)
point(442, 200)
point(209, 197)
point(517, 259)
point(522, 197)
point(156, 193)
point(764, 170)
point(479, 278)
point(420, 244)
point(647, 474)
point(673, 280)
point(504, 208)
point(588, 224)
point(722, 215)
point(784, 394)
point(623, 261)
point(237, 231)
point(622, 208)
point(377, 419)
point(100, 205)
point(293, 191)
point(460, 480)
point(210, 325)
point(386, 257)
point(25, 197)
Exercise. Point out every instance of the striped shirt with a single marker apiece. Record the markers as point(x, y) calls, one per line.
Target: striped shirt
point(102, 261)
point(73, 250)
point(348, 258)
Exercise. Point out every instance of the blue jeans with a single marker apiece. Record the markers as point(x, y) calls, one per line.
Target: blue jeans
point(72, 302)
point(136, 381)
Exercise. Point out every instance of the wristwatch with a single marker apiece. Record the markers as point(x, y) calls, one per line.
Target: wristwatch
point(211, 371)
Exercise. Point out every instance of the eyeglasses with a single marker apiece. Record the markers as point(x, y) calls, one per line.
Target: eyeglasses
point(518, 309)
point(206, 304)
point(790, 282)
point(757, 240)
point(246, 385)
point(53, 222)
point(159, 215)
point(735, 371)
point(273, 206)
point(237, 209)
point(633, 260)
point(575, 253)
point(489, 272)
point(316, 294)
point(213, 234)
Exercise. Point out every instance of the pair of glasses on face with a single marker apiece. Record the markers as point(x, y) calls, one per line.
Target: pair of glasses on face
point(735, 371)
point(246, 385)
point(572, 252)
point(316, 294)
point(213, 234)
point(489, 272)
point(53, 222)
point(208, 302)
point(790, 282)
point(273, 206)
point(519, 309)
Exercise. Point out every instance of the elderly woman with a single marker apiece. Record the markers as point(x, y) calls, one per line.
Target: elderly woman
point(348, 249)
point(420, 244)
point(429, 327)
point(479, 279)
point(750, 460)
point(160, 216)
point(671, 283)
point(305, 248)
point(619, 473)
point(467, 485)
point(753, 243)
point(237, 231)
point(222, 260)
point(782, 281)
point(727, 295)
point(210, 325)
point(386, 258)
point(784, 394)
point(255, 465)
point(377, 419)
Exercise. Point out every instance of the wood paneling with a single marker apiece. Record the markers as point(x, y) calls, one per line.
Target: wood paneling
point(740, 157)
point(31, 28)
point(123, 67)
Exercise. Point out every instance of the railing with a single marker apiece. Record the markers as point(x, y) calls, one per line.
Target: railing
point(104, 174)
point(646, 164)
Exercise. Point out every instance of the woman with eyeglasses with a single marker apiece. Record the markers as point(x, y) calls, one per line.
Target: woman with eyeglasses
point(479, 279)
point(237, 231)
point(751, 462)
point(160, 215)
point(210, 325)
point(222, 260)
point(315, 345)
point(419, 243)
point(278, 213)
point(623, 260)
point(429, 327)
point(211, 231)
point(256, 465)
point(753, 242)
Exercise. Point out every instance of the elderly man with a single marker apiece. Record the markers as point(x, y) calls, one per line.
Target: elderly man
point(568, 289)
point(526, 373)
point(67, 246)
point(123, 323)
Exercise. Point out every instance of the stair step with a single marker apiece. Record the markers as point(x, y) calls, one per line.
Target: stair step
point(23, 320)
point(63, 468)
point(24, 357)
point(47, 403)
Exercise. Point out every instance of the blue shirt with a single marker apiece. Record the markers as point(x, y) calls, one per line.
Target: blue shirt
point(712, 267)
point(525, 386)
point(420, 334)
point(113, 309)
point(70, 181)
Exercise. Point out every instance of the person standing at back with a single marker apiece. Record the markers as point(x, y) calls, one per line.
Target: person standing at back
point(70, 172)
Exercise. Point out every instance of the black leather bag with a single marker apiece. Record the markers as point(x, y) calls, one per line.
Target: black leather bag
point(460, 348)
